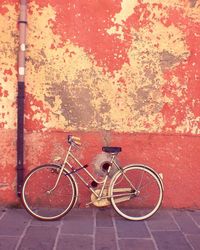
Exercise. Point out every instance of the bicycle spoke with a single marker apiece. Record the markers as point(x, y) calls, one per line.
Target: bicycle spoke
point(128, 181)
point(140, 180)
point(147, 184)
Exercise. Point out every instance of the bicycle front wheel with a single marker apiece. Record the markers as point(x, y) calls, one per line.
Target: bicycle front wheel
point(136, 192)
point(40, 200)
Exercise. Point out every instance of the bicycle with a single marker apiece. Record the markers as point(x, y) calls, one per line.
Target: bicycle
point(50, 191)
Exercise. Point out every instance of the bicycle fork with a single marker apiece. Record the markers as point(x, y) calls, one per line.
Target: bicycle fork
point(60, 173)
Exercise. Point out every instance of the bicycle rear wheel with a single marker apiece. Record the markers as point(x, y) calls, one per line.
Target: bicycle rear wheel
point(41, 203)
point(136, 193)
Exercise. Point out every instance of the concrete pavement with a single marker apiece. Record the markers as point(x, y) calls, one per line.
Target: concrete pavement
point(100, 229)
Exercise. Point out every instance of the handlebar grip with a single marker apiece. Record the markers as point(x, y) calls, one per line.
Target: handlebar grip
point(77, 143)
point(74, 139)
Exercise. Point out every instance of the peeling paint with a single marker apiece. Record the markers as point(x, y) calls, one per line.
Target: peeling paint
point(72, 79)
point(112, 66)
point(193, 3)
point(168, 60)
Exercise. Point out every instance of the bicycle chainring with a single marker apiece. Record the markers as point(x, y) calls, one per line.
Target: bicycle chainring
point(100, 203)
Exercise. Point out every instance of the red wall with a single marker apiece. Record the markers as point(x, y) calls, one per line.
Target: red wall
point(123, 73)
point(175, 156)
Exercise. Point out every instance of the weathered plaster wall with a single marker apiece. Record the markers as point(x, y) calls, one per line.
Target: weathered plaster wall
point(115, 72)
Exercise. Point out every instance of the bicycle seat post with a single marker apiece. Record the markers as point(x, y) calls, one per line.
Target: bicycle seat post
point(113, 157)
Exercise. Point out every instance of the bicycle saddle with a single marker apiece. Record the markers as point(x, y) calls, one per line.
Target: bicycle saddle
point(112, 150)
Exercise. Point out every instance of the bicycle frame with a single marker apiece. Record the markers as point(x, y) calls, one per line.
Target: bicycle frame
point(134, 181)
point(75, 170)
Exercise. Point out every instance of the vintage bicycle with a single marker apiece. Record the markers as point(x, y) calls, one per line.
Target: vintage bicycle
point(50, 191)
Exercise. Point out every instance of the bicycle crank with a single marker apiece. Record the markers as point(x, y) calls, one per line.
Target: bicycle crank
point(102, 202)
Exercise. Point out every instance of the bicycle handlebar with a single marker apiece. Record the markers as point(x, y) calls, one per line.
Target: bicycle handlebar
point(74, 140)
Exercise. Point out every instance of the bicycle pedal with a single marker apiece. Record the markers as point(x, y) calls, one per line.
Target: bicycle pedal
point(87, 205)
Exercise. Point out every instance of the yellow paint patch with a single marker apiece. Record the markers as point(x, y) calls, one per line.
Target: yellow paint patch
point(80, 95)
point(127, 8)
point(8, 59)
point(127, 110)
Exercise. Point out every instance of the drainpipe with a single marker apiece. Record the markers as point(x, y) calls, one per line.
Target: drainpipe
point(20, 98)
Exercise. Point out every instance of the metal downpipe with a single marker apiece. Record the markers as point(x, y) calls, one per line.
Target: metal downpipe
point(21, 97)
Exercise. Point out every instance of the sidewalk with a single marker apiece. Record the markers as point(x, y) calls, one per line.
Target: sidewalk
point(100, 229)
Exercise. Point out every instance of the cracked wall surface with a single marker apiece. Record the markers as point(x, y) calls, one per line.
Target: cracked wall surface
point(129, 66)
point(102, 66)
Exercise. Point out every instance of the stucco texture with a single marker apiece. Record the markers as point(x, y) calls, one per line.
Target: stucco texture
point(110, 69)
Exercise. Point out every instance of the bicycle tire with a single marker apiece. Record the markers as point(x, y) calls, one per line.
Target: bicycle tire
point(43, 205)
point(126, 196)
